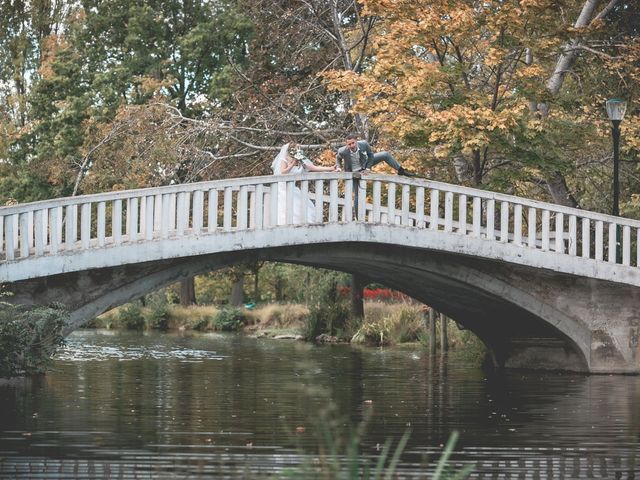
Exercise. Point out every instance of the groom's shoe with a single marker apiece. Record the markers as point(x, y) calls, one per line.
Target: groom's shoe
point(405, 173)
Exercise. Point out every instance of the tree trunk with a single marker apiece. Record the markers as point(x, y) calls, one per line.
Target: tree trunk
point(237, 292)
point(559, 191)
point(278, 287)
point(187, 292)
point(357, 300)
point(444, 337)
point(556, 183)
point(256, 286)
point(433, 316)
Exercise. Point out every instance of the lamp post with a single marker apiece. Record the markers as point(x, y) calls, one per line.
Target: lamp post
point(616, 109)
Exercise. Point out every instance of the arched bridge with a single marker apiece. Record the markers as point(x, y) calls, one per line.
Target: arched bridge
point(544, 286)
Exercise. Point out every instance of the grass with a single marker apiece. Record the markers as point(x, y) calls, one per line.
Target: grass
point(385, 324)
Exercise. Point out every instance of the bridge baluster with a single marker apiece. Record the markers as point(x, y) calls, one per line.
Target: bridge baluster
point(56, 229)
point(39, 231)
point(406, 192)
point(116, 222)
point(491, 223)
point(319, 201)
point(164, 212)
point(45, 227)
point(157, 213)
point(613, 242)
point(517, 224)
point(361, 208)
point(149, 219)
point(30, 229)
point(333, 200)
point(546, 215)
point(71, 226)
point(626, 245)
point(532, 234)
point(9, 237)
point(172, 213)
point(304, 200)
point(258, 209)
point(24, 235)
point(559, 243)
point(599, 240)
point(448, 212)
point(16, 230)
point(2, 248)
point(289, 203)
point(142, 217)
point(181, 210)
point(391, 203)
point(273, 205)
point(243, 208)
point(101, 222)
point(212, 214)
point(434, 217)
point(377, 200)
point(85, 225)
point(638, 247)
point(462, 214)
point(477, 217)
point(347, 215)
point(420, 207)
point(504, 222)
point(132, 219)
point(586, 238)
point(573, 235)
point(228, 209)
point(198, 211)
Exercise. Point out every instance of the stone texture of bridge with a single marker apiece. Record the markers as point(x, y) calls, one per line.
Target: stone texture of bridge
point(543, 286)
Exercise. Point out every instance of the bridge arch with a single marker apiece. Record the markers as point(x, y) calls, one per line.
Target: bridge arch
point(533, 293)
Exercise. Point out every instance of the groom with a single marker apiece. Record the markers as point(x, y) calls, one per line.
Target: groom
point(357, 156)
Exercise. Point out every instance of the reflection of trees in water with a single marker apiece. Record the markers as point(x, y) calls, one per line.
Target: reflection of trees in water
point(258, 392)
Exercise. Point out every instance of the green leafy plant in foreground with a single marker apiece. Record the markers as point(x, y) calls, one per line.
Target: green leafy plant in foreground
point(339, 455)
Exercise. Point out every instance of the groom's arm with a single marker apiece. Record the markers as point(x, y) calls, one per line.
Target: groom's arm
point(369, 153)
point(339, 160)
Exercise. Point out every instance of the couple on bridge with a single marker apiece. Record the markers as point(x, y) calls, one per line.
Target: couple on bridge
point(355, 156)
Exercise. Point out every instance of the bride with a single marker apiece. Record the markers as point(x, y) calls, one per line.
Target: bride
point(284, 164)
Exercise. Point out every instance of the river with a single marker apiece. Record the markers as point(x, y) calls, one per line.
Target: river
point(132, 405)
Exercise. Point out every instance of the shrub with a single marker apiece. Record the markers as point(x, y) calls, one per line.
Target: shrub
point(130, 317)
point(28, 338)
point(158, 312)
point(229, 319)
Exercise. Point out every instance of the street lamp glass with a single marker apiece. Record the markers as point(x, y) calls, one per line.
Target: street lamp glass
point(616, 108)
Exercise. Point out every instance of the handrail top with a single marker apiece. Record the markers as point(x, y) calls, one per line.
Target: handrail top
point(270, 179)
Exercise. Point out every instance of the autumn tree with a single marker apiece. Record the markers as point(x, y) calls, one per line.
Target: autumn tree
point(461, 78)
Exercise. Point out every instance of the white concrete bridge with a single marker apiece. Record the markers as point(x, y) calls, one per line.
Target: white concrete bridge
point(544, 286)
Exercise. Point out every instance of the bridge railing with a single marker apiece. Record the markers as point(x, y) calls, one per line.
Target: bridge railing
point(117, 218)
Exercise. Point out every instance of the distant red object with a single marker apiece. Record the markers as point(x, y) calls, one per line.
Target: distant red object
point(377, 294)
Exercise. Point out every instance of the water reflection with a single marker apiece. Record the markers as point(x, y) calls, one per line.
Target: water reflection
point(165, 406)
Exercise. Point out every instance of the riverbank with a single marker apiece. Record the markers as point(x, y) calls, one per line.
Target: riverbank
point(385, 324)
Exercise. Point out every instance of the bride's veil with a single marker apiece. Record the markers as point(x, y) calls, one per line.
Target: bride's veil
point(276, 166)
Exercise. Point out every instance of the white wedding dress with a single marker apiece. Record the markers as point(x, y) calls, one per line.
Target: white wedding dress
point(276, 167)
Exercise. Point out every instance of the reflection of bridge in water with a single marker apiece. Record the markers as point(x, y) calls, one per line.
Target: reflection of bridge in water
point(544, 286)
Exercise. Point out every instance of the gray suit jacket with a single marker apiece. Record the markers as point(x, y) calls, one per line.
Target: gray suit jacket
point(344, 156)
